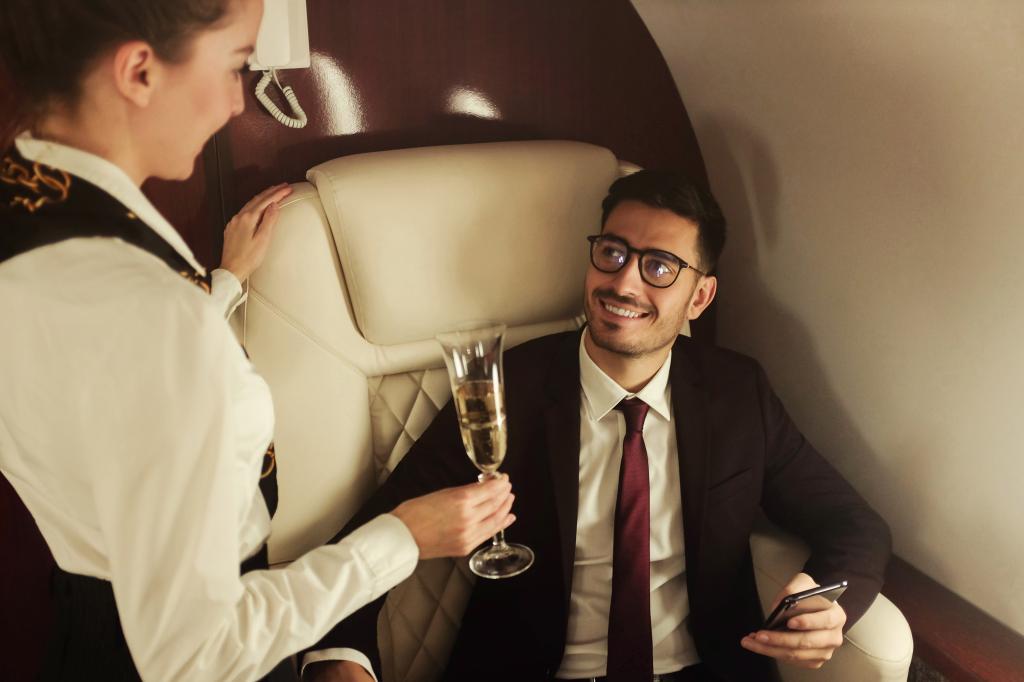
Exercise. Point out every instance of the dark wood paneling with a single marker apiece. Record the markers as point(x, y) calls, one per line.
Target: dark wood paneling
point(25, 561)
point(195, 206)
point(8, 102)
point(24, 589)
point(384, 72)
point(954, 637)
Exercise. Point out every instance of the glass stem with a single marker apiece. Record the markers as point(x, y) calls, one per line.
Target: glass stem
point(499, 538)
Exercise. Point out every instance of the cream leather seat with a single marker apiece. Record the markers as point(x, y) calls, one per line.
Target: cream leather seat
point(372, 257)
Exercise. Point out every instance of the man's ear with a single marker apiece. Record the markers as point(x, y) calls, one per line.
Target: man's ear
point(134, 67)
point(702, 296)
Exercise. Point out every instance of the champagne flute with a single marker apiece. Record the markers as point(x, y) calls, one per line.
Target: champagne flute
point(473, 355)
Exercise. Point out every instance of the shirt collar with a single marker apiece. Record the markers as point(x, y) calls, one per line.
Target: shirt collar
point(109, 178)
point(601, 394)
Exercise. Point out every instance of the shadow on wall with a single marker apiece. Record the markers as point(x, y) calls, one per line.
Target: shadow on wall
point(751, 319)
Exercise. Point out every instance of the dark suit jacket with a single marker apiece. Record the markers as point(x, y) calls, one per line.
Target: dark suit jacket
point(739, 453)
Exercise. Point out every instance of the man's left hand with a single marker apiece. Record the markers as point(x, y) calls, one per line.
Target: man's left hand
point(812, 638)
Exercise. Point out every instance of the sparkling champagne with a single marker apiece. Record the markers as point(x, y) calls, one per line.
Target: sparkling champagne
point(482, 422)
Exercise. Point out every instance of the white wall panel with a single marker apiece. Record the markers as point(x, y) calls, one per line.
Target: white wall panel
point(869, 156)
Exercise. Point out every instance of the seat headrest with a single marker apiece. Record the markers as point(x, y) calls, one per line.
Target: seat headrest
point(431, 237)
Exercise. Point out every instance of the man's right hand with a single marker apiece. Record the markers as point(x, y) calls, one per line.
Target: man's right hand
point(453, 521)
point(336, 671)
point(811, 638)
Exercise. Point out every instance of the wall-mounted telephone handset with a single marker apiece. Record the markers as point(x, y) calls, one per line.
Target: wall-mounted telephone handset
point(282, 43)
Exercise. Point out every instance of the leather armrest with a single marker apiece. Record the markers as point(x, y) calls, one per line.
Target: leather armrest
point(878, 647)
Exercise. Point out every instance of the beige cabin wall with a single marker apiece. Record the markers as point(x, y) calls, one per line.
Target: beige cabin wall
point(869, 156)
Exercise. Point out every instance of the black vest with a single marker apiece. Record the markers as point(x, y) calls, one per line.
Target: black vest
point(40, 205)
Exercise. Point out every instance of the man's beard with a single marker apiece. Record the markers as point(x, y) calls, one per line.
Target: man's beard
point(660, 334)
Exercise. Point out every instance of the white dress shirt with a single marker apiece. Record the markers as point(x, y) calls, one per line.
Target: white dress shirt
point(133, 428)
point(602, 428)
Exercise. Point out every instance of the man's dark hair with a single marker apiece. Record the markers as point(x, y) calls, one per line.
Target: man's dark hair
point(675, 192)
point(47, 46)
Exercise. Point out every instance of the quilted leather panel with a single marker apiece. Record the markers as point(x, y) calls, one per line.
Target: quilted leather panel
point(421, 616)
point(401, 408)
point(420, 619)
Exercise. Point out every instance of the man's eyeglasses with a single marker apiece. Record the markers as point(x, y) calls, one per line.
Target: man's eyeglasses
point(658, 268)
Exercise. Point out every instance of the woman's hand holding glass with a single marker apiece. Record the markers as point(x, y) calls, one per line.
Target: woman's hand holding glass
point(454, 521)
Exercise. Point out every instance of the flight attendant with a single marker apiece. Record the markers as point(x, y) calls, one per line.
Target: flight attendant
point(131, 423)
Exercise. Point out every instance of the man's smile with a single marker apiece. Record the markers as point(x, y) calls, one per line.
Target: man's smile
point(619, 311)
point(620, 308)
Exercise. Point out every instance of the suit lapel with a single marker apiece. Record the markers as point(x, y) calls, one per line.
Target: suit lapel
point(689, 407)
point(562, 433)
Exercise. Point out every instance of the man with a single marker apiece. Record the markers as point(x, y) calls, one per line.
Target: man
point(641, 460)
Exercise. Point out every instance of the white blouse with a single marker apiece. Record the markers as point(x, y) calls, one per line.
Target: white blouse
point(133, 427)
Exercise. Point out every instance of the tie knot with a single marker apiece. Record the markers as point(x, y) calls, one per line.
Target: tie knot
point(635, 411)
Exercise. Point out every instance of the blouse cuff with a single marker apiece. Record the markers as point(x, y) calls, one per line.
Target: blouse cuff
point(388, 548)
point(226, 291)
point(389, 551)
point(342, 654)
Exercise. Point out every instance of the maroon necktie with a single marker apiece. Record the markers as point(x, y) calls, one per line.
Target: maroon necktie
point(630, 650)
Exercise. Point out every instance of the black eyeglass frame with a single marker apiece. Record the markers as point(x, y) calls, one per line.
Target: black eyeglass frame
point(640, 253)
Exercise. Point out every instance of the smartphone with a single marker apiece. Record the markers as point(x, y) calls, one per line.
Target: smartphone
point(815, 599)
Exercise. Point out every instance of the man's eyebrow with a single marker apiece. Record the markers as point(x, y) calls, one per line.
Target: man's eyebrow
point(626, 242)
point(246, 50)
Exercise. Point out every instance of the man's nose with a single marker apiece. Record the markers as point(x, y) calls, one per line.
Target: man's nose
point(628, 280)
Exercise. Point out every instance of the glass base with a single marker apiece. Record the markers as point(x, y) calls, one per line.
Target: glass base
point(501, 561)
